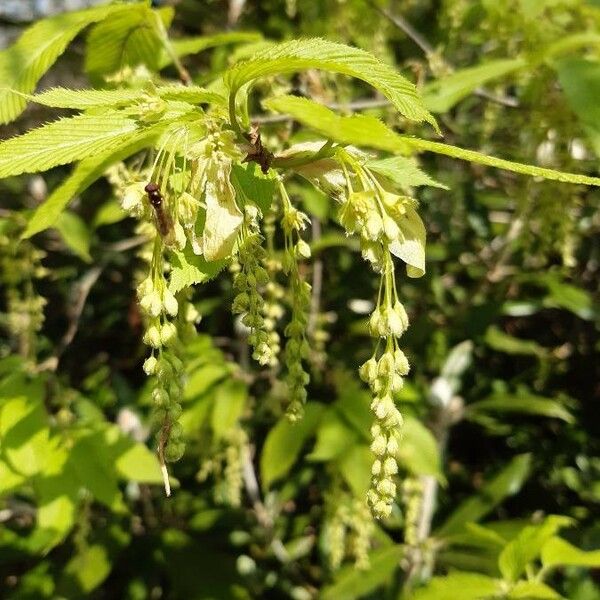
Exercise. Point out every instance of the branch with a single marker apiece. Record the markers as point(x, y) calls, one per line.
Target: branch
point(420, 40)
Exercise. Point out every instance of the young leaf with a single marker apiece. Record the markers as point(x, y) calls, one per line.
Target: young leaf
point(252, 186)
point(23, 64)
point(298, 55)
point(85, 99)
point(526, 547)
point(84, 174)
point(189, 269)
point(372, 133)
point(130, 38)
point(411, 248)
point(223, 217)
point(360, 130)
point(403, 172)
point(65, 141)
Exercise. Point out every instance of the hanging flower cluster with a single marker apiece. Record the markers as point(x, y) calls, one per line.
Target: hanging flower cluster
point(386, 223)
point(348, 530)
point(249, 282)
point(296, 349)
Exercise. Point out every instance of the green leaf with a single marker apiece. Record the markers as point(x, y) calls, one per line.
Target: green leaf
point(75, 234)
point(411, 248)
point(130, 38)
point(350, 583)
point(532, 590)
point(299, 55)
point(252, 186)
point(441, 95)
point(88, 568)
point(333, 438)
point(93, 467)
point(23, 64)
point(229, 404)
point(524, 404)
point(496, 339)
point(65, 141)
point(569, 297)
point(25, 434)
point(418, 450)
point(109, 214)
point(223, 216)
point(506, 483)
point(194, 45)
point(370, 132)
point(526, 547)
point(284, 443)
point(463, 585)
point(189, 269)
point(361, 130)
point(558, 552)
point(403, 172)
point(580, 81)
point(85, 99)
point(355, 467)
point(84, 174)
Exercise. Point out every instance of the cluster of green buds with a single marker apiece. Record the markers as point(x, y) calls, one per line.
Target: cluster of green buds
point(412, 495)
point(225, 465)
point(348, 531)
point(249, 284)
point(160, 307)
point(378, 216)
point(274, 293)
point(20, 266)
point(296, 349)
point(384, 372)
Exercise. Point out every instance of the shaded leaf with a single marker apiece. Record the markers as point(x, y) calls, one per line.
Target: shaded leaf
point(284, 443)
point(506, 483)
point(350, 583)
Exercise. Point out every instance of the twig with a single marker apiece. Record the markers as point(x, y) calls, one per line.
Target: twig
point(420, 40)
point(364, 104)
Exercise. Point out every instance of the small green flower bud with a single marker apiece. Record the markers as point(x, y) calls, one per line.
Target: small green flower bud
point(390, 466)
point(160, 397)
point(174, 450)
point(378, 445)
point(368, 370)
point(386, 487)
point(170, 303)
point(401, 363)
point(152, 337)
point(150, 365)
point(168, 333)
point(302, 249)
point(392, 446)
